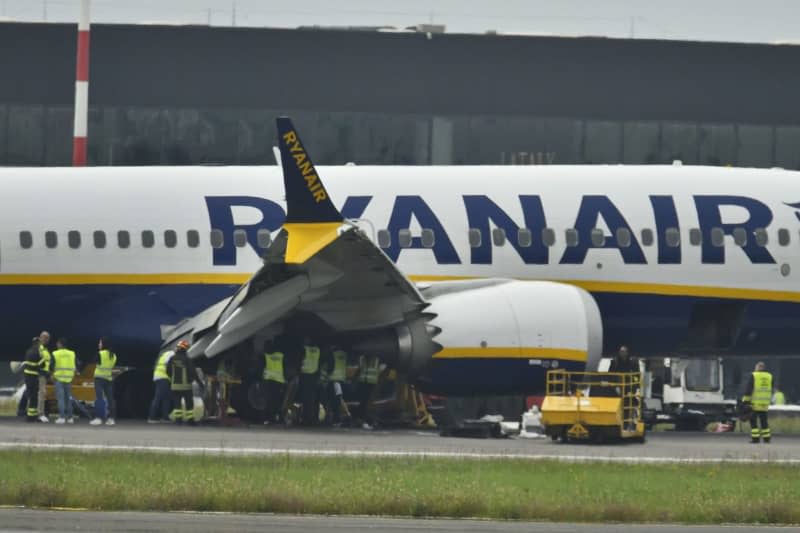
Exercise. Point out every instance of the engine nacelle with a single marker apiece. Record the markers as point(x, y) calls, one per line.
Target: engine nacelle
point(495, 336)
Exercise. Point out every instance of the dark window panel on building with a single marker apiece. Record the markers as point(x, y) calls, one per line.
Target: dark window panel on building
point(194, 136)
point(602, 141)
point(138, 136)
point(26, 137)
point(717, 144)
point(640, 142)
point(256, 137)
point(510, 140)
point(679, 142)
point(99, 144)
point(382, 138)
point(755, 146)
point(787, 147)
point(3, 134)
point(333, 139)
point(59, 125)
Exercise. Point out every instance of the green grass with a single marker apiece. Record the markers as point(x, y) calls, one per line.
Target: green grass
point(413, 487)
point(8, 407)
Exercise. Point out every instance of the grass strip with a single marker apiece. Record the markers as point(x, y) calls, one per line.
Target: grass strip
point(412, 487)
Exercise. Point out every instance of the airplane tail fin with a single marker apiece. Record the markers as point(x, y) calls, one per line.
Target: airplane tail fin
point(312, 221)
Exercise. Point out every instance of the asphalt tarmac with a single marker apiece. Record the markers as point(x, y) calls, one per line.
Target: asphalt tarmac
point(27, 520)
point(260, 440)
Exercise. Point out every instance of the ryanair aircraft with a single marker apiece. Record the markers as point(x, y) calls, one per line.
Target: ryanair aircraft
point(469, 280)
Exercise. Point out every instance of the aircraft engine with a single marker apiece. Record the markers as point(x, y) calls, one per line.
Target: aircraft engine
point(493, 336)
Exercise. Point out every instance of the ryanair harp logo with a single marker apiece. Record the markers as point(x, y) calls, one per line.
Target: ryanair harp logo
point(305, 167)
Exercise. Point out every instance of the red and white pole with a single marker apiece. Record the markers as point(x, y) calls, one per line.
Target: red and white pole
point(81, 89)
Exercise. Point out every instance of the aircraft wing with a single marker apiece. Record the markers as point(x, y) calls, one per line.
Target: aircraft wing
point(320, 272)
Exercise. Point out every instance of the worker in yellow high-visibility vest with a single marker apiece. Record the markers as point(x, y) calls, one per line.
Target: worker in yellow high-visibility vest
point(64, 370)
point(758, 393)
point(333, 373)
point(369, 369)
point(162, 399)
point(274, 383)
point(46, 358)
point(309, 379)
point(103, 383)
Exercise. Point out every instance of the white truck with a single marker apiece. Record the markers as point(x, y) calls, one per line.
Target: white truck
point(686, 392)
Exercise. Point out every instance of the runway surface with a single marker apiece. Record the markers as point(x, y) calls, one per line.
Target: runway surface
point(258, 440)
point(26, 520)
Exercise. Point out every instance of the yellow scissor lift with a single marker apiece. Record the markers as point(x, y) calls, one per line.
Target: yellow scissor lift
point(595, 406)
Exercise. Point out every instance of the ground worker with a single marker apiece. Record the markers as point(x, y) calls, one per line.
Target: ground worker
point(758, 394)
point(46, 357)
point(309, 379)
point(366, 379)
point(160, 406)
point(274, 383)
point(336, 373)
point(623, 362)
point(32, 370)
point(103, 383)
point(181, 374)
point(778, 398)
point(64, 370)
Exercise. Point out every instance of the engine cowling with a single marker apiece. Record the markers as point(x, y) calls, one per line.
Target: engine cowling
point(495, 336)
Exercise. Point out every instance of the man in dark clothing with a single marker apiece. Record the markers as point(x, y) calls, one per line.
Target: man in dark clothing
point(32, 369)
point(182, 373)
point(623, 362)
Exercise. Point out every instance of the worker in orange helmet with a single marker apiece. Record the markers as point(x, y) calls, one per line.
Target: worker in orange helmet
point(182, 373)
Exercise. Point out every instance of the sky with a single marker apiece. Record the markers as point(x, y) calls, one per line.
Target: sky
point(764, 21)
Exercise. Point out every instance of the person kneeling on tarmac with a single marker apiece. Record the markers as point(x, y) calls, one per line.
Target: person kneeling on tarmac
point(182, 373)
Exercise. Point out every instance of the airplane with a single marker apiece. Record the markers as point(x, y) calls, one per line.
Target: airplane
point(469, 279)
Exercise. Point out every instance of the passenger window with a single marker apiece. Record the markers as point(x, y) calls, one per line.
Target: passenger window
point(623, 237)
point(524, 237)
point(148, 239)
point(717, 237)
point(571, 237)
point(193, 238)
point(598, 237)
point(549, 236)
point(695, 237)
point(384, 238)
point(74, 239)
point(51, 239)
point(474, 235)
point(783, 237)
point(499, 236)
point(264, 238)
point(673, 237)
point(170, 238)
point(123, 239)
point(761, 237)
point(740, 237)
point(427, 238)
point(404, 238)
point(240, 238)
point(647, 237)
point(99, 238)
point(217, 238)
point(25, 239)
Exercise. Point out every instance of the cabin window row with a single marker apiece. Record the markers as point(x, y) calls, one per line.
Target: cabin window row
point(147, 239)
point(525, 237)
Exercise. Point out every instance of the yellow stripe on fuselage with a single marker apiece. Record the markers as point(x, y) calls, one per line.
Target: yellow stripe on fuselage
point(217, 278)
point(522, 352)
point(626, 287)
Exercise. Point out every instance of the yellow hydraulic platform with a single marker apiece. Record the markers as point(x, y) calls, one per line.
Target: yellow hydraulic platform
point(595, 406)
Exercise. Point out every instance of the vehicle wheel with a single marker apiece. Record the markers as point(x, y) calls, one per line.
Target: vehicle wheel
point(248, 401)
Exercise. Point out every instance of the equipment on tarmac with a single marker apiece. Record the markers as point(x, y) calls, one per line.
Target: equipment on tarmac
point(596, 406)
